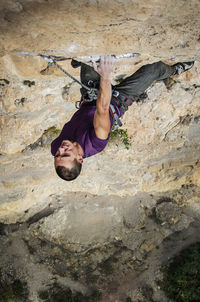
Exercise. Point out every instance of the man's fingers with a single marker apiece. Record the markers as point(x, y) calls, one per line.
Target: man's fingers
point(105, 66)
point(109, 60)
point(106, 59)
point(94, 66)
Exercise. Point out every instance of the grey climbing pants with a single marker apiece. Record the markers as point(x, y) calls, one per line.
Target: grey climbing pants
point(134, 85)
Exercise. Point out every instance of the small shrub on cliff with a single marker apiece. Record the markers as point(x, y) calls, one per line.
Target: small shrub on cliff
point(120, 135)
point(182, 277)
point(13, 291)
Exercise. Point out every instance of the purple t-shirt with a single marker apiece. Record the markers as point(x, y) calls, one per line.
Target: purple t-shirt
point(80, 129)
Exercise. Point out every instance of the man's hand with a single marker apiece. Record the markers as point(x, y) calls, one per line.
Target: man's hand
point(101, 117)
point(105, 66)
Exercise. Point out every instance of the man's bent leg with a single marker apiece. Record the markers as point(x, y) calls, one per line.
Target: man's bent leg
point(87, 74)
point(134, 85)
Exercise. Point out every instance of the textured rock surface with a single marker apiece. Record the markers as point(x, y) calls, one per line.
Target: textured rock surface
point(79, 27)
point(105, 227)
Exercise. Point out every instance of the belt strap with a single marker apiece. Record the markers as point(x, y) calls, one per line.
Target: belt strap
point(127, 101)
point(115, 115)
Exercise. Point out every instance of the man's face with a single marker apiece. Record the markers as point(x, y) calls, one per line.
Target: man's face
point(66, 154)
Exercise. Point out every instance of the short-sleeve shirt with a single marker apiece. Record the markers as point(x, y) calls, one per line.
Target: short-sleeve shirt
point(80, 129)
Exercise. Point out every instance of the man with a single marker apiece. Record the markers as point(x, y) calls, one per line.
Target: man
point(87, 133)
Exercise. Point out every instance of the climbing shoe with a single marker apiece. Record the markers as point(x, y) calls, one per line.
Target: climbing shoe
point(182, 67)
point(75, 64)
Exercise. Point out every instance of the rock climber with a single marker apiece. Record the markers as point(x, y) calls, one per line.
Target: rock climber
point(87, 133)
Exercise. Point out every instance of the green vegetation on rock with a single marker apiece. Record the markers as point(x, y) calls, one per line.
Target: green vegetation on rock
point(13, 292)
point(121, 135)
point(181, 281)
point(45, 140)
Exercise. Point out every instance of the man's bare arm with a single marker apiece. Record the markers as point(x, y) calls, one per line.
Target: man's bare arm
point(101, 117)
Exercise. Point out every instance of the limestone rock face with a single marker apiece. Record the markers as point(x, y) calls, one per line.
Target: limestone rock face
point(86, 27)
point(112, 210)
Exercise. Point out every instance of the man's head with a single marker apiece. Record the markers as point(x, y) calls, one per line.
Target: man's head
point(68, 160)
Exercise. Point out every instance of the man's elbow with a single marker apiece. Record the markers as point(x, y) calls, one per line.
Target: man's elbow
point(103, 107)
point(104, 110)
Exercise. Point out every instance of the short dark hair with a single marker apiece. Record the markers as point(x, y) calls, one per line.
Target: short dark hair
point(69, 174)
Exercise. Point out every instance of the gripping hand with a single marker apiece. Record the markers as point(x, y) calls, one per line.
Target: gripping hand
point(105, 66)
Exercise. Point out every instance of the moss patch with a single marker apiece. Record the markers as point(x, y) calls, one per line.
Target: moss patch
point(182, 277)
point(45, 140)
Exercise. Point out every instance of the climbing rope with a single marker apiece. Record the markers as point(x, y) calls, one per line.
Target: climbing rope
point(92, 92)
point(53, 61)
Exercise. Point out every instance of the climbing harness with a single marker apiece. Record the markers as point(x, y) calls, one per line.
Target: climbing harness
point(127, 101)
point(119, 99)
